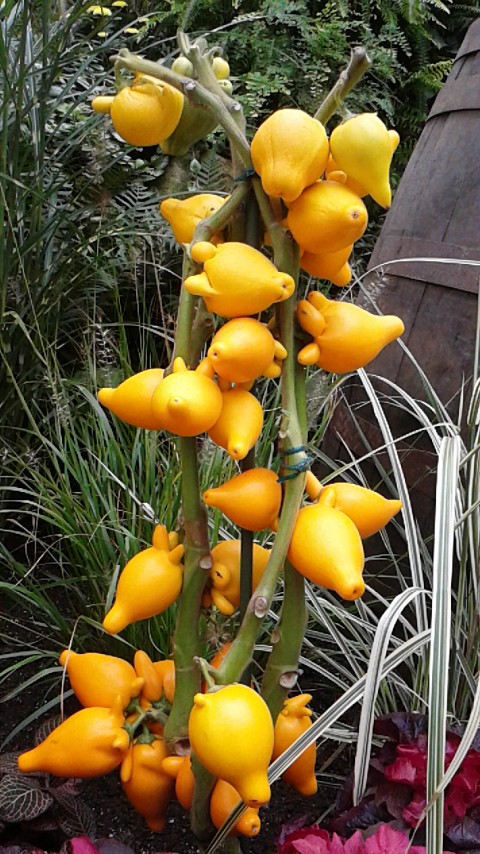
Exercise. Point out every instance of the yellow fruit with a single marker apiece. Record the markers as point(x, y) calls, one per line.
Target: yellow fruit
point(251, 499)
point(346, 337)
point(363, 148)
point(148, 584)
point(220, 67)
point(225, 573)
point(131, 401)
point(103, 103)
point(90, 743)
point(368, 510)
point(326, 548)
point(332, 266)
point(166, 671)
point(231, 733)
point(187, 402)
point(147, 113)
point(244, 349)
point(240, 423)
point(327, 217)
point(289, 152)
point(183, 215)
point(152, 681)
point(237, 279)
point(180, 769)
point(334, 173)
point(223, 801)
point(292, 722)
point(97, 679)
point(146, 785)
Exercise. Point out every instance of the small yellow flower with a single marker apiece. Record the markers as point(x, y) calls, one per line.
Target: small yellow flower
point(131, 30)
point(119, 3)
point(99, 10)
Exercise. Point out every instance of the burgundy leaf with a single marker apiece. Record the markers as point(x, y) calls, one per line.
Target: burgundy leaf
point(83, 845)
point(75, 818)
point(464, 833)
point(401, 726)
point(21, 798)
point(414, 810)
point(292, 838)
point(395, 796)
point(311, 845)
point(386, 841)
point(113, 846)
point(288, 828)
point(364, 815)
point(8, 762)
point(354, 845)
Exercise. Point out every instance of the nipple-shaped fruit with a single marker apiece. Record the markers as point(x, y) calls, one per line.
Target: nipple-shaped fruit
point(332, 266)
point(166, 671)
point(152, 681)
point(225, 573)
point(289, 152)
point(98, 679)
point(327, 217)
point(183, 215)
point(90, 743)
point(146, 785)
point(251, 499)
point(292, 722)
point(326, 548)
point(345, 337)
point(231, 733)
point(363, 148)
point(179, 768)
point(146, 113)
point(187, 402)
point(103, 103)
point(368, 510)
point(244, 349)
point(237, 279)
point(149, 583)
point(223, 801)
point(131, 401)
point(239, 424)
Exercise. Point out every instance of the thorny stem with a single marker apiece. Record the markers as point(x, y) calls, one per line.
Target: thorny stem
point(359, 63)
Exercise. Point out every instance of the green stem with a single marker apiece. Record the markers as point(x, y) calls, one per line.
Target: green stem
point(187, 639)
point(359, 63)
point(281, 672)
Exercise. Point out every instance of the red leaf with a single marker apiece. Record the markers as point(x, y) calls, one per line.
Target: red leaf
point(83, 845)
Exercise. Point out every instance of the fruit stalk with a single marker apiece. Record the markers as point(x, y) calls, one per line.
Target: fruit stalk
point(197, 554)
point(220, 105)
point(359, 63)
point(234, 664)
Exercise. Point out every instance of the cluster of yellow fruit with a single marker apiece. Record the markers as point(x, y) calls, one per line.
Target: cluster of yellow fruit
point(116, 696)
point(150, 111)
point(322, 182)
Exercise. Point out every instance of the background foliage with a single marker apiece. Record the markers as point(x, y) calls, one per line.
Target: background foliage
point(90, 274)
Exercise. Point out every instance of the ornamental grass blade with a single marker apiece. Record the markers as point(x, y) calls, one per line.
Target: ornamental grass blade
point(407, 512)
point(447, 479)
point(372, 684)
point(321, 726)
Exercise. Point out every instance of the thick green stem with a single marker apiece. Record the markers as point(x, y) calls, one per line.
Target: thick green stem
point(187, 639)
point(349, 77)
point(286, 259)
point(287, 638)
